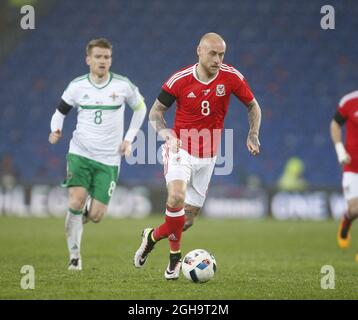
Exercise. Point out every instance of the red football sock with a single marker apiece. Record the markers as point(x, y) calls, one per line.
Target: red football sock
point(160, 232)
point(171, 228)
point(175, 227)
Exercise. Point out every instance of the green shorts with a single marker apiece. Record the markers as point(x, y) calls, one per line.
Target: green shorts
point(97, 178)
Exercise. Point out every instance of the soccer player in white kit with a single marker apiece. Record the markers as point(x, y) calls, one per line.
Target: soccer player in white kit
point(97, 144)
point(347, 114)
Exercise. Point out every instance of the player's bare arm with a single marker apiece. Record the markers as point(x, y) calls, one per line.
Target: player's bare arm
point(254, 117)
point(157, 121)
point(336, 136)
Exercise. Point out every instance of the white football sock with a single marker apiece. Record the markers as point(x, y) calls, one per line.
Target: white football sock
point(74, 228)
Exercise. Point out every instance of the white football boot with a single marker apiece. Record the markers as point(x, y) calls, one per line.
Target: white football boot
point(75, 264)
point(145, 248)
point(173, 269)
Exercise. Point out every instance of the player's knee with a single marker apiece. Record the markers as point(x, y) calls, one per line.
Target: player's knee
point(176, 199)
point(96, 219)
point(76, 204)
point(96, 216)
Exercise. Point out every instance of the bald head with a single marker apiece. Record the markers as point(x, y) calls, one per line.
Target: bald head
point(211, 51)
point(210, 38)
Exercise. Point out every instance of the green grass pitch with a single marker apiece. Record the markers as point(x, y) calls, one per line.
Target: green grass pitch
point(257, 259)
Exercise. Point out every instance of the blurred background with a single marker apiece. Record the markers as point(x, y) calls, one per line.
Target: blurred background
point(297, 71)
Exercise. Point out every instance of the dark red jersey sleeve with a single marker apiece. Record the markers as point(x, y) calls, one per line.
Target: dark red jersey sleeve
point(343, 108)
point(172, 85)
point(241, 90)
point(170, 90)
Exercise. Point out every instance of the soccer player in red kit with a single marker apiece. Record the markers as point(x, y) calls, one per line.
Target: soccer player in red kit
point(347, 113)
point(202, 93)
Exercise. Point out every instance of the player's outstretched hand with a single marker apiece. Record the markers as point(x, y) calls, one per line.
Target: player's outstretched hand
point(125, 148)
point(253, 144)
point(55, 136)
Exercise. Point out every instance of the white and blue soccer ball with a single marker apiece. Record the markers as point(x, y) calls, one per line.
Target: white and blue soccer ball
point(199, 265)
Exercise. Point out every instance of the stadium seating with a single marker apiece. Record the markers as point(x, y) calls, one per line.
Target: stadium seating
point(297, 70)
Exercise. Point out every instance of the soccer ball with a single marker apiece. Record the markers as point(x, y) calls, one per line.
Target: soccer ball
point(199, 265)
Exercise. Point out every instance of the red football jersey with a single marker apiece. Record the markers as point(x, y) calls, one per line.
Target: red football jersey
point(348, 108)
point(201, 107)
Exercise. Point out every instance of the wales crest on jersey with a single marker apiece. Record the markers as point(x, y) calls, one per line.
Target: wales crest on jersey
point(220, 90)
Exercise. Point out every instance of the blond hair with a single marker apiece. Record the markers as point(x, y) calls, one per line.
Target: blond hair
point(101, 43)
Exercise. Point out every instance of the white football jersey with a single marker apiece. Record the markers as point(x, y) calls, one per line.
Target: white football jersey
point(100, 119)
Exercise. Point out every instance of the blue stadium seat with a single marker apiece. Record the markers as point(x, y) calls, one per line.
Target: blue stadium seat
point(297, 71)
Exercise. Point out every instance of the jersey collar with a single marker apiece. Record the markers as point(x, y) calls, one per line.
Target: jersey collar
point(103, 84)
point(206, 83)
